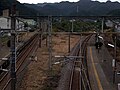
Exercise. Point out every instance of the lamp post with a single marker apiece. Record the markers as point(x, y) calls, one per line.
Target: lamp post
point(72, 29)
point(70, 34)
point(69, 43)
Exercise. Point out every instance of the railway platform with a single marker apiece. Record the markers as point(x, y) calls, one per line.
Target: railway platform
point(98, 79)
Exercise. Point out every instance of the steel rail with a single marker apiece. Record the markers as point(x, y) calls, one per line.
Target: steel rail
point(20, 56)
point(77, 49)
point(74, 52)
point(84, 62)
point(72, 78)
point(8, 82)
point(26, 52)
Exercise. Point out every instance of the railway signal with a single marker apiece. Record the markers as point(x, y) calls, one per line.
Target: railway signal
point(98, 43)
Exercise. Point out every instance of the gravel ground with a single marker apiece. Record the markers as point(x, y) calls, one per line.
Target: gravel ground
point(4, 50)
point(36, 77)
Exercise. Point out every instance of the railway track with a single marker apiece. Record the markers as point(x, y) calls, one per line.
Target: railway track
point(22, 54)
point(79, 79)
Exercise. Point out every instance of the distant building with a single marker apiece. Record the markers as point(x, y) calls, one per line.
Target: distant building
point(6, 13)
point(30, 21)
point(109, 23)
point(5, 23)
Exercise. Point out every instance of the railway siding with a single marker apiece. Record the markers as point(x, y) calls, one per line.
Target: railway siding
point(22, 55)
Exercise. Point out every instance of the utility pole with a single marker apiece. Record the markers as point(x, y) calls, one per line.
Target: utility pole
point(69, 42)
point(39, 25)
point(72, 26)
point(80, 62)
point(70, 35)
point(102, 24)
point(41, 30)
point(13, 49)
point(103, 38)
point(47, 33)
point(50, 41)
point(114, 61)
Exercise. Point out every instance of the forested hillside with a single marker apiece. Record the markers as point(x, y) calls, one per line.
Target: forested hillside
point(82, 8)
point(23, 10)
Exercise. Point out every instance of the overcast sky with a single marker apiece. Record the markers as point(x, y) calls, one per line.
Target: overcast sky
point(42, 1)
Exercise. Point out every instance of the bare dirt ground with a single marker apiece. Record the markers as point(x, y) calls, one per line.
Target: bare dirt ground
point(37, 75)
point(4, 50)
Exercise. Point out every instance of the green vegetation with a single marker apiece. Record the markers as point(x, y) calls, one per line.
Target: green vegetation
point(78, 26)
point(4, 39)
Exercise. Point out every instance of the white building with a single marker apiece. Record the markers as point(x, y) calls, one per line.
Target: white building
point(5, 23)
point(109, 23)
point(30, 22)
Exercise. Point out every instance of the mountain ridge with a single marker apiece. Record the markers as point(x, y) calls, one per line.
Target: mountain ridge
point(23, 10)
point(65, 8)
point(83, 7)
